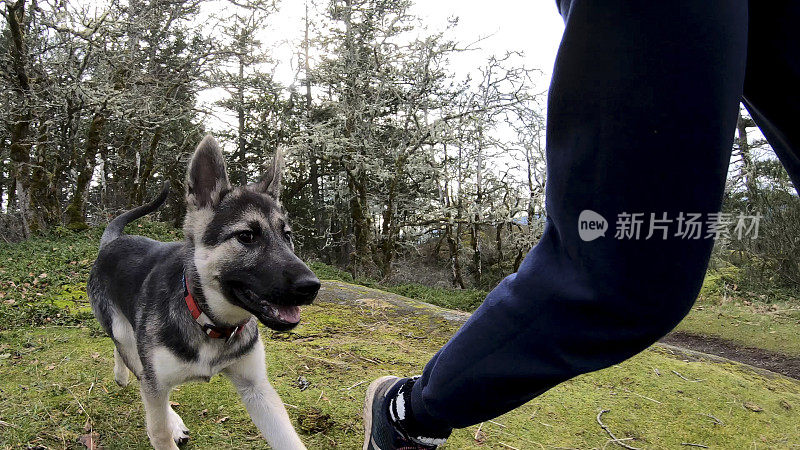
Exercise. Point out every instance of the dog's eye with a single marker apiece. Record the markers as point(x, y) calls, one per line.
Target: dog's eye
point(245, 237)
point(287, 234)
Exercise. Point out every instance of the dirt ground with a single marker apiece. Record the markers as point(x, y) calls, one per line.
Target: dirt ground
point(764, 359)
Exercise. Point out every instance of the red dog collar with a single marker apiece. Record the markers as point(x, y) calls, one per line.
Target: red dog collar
point(213, 331)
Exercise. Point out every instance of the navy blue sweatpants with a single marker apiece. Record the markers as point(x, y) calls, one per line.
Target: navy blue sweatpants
point(641, 116)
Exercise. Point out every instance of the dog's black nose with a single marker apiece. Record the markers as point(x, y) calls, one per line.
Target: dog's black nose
point(306, 286)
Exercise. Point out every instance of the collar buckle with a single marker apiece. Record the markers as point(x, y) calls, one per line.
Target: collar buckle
point(205, 322)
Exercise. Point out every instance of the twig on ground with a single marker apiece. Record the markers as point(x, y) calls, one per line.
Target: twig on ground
point(607, 430)
point(3, 423)
point(478, 431)
point(351, 387)
point(496, 423)
point(368, 360)
point(615, 441)
point(519, 438)
point(79, 404)
point(684, 378)
point(507, 446)
point(290, 406)
point(716, 421)
point(689, 444)
point(642, 396)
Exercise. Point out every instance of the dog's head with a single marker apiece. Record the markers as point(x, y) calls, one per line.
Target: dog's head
point(242, 241)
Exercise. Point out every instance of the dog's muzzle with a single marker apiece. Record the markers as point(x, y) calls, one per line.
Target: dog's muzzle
point(281, 311)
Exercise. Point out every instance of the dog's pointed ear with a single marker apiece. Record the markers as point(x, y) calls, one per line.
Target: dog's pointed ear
point(271, 183)
point(207, 178)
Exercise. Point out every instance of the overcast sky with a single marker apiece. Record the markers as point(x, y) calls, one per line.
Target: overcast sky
point(533, 27)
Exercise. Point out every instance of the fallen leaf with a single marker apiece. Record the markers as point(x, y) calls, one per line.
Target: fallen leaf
point(10, 301)
point(42, 275)
point(786, 405)
point(95, 355)
point(51, 367)
point(753, 407)
point(175, 404)
point(91, 441)
point(203, 413)
point(222, 419)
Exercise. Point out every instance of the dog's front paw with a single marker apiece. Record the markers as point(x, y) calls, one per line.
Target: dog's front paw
point(122, 377)
point(121, 372)
point(180, 434)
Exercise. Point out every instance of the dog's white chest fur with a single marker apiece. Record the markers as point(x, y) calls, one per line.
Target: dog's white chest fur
point(172, 370)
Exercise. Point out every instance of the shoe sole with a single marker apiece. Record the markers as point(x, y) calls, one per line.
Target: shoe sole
point(368, 401)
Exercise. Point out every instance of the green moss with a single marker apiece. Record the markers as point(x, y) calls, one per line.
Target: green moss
point(326, 272)
point(54, 378)
point(771, 327)
point(721, 282)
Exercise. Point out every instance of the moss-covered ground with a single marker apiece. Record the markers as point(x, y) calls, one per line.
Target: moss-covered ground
point(56, 380)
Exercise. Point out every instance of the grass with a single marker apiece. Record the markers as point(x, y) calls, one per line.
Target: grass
point(56, 378)
point(751, 320)
point(56, 370)
point(772, 327)
point(42, 281)
point(721, 311)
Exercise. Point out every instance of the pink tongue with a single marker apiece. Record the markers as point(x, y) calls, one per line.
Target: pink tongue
point(289, 314)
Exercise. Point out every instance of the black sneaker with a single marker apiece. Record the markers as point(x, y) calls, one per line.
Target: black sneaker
point(379, 432)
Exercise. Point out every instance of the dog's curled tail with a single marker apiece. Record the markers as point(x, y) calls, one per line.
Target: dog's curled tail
point(115, 227)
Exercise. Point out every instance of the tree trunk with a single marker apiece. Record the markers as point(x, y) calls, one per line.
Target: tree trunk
point(241, 153)
point(11, 189)
point(360, 220)
point(43, 190)
point(147, 171)
point(316, 196)
point(3, 179)
point(748, 168)
point(20, 151)
point(455, 265)
point(498, 242)
point(390, 228)
point(518, 259)
point(76, 211)
point(476, 232)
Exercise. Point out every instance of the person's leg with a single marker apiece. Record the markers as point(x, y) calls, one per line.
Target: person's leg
point(772, 81)
point(641, 115)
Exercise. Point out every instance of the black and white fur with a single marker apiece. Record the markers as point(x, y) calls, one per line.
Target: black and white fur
point(240, 266)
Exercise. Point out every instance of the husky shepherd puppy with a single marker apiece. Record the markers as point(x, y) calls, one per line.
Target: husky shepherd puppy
point(185, 311)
